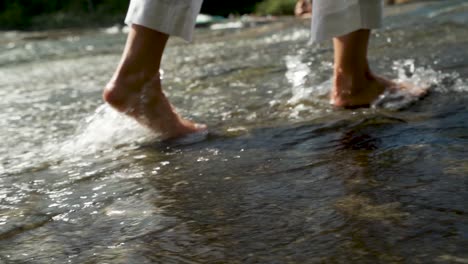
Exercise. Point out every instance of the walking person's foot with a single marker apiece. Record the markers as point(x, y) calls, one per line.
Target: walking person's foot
point(135, 89)
point(145, 101)
point(354, 92)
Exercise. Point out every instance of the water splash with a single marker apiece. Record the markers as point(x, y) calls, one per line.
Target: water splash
point(296, 75)
point(105, 129)
point(439, 81)
point(295, 35)
point(307, 87)
point(306, 94)
point(299, 75)
point(418, 78)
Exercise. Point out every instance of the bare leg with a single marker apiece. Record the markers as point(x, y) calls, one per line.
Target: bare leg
point(354, 84)
point(135, 87)
point(303, 9)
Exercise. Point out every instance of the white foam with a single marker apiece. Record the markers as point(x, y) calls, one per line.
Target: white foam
point(105, 129)
point(439, 81)
point(297, 75)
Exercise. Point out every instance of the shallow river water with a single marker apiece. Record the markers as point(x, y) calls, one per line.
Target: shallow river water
point(281, 177)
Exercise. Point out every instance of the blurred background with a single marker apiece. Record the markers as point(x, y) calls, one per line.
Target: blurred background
point(50, 14)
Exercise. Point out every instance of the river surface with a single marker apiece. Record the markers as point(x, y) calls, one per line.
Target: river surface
point(281, 177)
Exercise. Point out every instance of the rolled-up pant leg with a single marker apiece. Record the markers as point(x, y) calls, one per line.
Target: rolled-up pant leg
point(173, 17)
point(333, 18)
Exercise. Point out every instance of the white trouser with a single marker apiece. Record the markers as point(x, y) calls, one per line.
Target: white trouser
point(173, 17)
point(330, 18)
point(333, 18)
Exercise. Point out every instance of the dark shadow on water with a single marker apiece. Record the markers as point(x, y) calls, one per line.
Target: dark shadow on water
point(367, 189)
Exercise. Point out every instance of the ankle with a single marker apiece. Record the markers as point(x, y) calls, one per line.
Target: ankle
point(122, 89)
point(115, 95)
point(351, 82)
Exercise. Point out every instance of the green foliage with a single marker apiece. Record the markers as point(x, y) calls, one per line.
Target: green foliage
point(225, 8)
point(114, 6)
point(35, 14)
point(276, 7)
point(13, 16)
point(43, 14)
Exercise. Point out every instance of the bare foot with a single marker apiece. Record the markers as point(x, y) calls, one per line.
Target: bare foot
point(398, 95)
point(145, 101)
point(375, 91)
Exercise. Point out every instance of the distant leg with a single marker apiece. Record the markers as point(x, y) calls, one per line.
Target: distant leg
point(354, 84)
point(135, 88)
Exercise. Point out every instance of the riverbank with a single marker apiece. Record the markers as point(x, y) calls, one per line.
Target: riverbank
point(54, 27)
point(18, 18)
